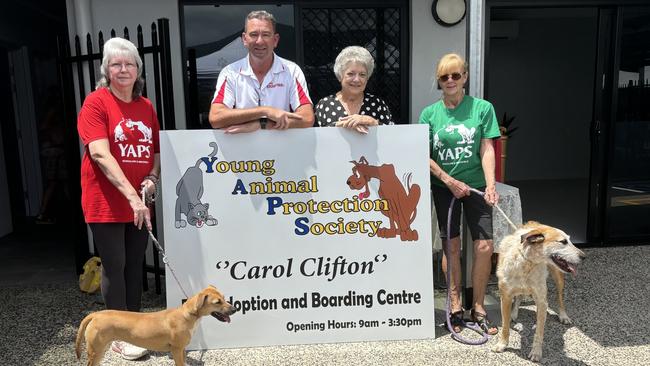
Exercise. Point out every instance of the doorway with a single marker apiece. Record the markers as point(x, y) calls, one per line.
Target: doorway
point(577, 82)
point(627, 142)
point(35, 187)
point(540, 70)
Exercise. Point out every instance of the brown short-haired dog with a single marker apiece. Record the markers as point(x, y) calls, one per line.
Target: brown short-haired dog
point(164, 331)
point(524, 260)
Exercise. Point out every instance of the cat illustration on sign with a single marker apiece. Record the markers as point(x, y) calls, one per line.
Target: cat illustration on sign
point(189, 190)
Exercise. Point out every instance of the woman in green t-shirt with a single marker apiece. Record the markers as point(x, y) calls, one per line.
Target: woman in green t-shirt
point(461, 129)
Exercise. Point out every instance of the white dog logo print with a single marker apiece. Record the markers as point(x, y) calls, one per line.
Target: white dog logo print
point(466, 134)
point(146, 131)
point(119, 132)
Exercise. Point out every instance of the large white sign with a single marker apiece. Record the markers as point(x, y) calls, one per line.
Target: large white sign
point(316, 235)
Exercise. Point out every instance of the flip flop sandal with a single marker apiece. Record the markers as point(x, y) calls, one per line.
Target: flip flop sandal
point(456, 320)
point(482, 321)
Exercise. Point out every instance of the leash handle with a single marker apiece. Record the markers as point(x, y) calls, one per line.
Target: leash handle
point(162, 251)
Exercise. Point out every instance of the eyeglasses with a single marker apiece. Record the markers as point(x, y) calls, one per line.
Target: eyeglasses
point(454, 76)
point(119, 66)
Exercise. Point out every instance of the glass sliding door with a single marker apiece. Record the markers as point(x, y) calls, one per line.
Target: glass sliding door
point(628, 183)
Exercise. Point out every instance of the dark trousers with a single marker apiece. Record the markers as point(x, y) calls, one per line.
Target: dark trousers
point(121, 247)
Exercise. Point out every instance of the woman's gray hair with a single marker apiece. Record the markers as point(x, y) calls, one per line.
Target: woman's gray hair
point(353, 54)
point(120, 47)
point(260, 15)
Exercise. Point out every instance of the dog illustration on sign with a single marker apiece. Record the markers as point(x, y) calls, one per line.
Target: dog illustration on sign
point(402, 199)
point(189, 190)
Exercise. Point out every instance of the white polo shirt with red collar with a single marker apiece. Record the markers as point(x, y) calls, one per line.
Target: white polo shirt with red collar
point(284, 86)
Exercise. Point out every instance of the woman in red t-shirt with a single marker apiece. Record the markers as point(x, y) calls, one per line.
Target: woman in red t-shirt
point(119, 130)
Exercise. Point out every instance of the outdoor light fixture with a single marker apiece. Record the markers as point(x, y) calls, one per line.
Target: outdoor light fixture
point(448, 12)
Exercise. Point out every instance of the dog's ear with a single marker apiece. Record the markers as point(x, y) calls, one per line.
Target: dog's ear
point(354, 169)
point(363, 160)
point(200, 302)
point(533, 237)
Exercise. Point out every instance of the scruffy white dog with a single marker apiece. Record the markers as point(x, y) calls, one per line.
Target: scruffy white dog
point(525, 258)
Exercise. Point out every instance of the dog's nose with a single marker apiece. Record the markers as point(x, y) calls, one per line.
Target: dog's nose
point(348, 182)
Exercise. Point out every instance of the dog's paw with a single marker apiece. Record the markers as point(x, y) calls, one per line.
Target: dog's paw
point(535, 355)
point(500, 347)
point(211, 221)
point(408, 235)
point(564, 319)
point(386, 232)
point(179, 224)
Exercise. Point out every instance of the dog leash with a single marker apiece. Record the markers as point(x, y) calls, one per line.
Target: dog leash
point(469, 325)
point(162, 251)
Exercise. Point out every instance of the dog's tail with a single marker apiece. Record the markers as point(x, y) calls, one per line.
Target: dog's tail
point(80, 334)
point(413, 194)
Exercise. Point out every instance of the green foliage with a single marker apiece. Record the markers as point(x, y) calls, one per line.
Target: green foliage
point(505, 125)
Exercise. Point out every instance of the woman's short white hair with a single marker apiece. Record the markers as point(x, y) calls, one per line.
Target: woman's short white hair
point(353, 54)
point(120, 47)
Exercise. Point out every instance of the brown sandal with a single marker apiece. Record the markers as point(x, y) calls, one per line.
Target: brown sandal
point(482, 321)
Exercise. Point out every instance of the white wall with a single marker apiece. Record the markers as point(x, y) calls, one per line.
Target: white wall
point(429, 42)
point(117, 14)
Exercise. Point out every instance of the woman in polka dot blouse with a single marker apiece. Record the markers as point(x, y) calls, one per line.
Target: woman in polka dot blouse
point(351, 107)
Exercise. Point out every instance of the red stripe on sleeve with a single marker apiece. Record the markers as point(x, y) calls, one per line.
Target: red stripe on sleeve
point(222, 90)
point(302, 96)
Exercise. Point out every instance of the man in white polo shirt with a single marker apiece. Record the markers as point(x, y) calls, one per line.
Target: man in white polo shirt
point(262, 90)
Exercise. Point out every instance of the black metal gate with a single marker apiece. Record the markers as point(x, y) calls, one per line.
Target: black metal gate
point(381, 28)
point(75, 65)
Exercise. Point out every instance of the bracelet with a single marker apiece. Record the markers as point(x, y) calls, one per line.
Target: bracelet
point(151, 198)
point(152, 178)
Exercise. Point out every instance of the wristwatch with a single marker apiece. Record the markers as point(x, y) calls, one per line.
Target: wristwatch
point(263, 122)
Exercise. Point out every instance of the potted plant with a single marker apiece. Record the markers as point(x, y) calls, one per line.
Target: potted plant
point(506, 129)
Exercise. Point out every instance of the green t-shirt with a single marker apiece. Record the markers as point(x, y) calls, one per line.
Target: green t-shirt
point(455, 137)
